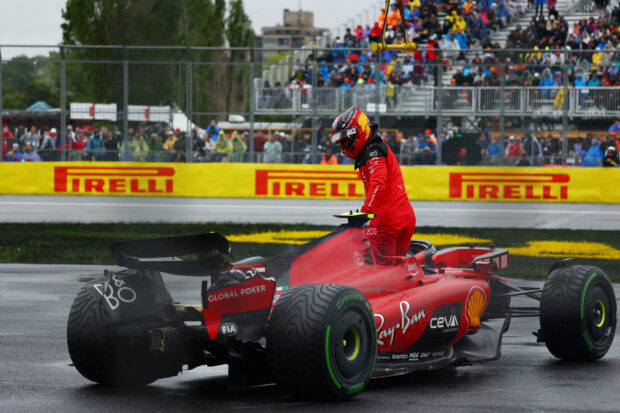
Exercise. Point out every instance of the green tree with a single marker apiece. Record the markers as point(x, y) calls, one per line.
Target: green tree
point(19, 71)
point(29, 79)
point(157, 23)
point(120, 22)
point(239, 33)
point(202, 24)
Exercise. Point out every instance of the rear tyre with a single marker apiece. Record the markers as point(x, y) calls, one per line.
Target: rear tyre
point(92, 348)
point(108, 344)
point(578, 313)
point(321, 341)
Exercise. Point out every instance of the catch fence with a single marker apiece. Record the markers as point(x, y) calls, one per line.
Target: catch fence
point(133, 91)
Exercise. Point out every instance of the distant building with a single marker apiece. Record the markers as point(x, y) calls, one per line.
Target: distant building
point(298, 30)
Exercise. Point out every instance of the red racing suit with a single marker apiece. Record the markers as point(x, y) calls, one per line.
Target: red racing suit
point(390, 231)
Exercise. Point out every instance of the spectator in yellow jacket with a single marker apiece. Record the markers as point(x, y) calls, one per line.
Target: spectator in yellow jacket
point(238, 148)
point(223, 146)
point(170, 141)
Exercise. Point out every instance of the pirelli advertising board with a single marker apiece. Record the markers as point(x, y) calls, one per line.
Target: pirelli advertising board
point(308, 181)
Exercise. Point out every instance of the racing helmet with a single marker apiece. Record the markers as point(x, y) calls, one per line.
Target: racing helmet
point(351, 131)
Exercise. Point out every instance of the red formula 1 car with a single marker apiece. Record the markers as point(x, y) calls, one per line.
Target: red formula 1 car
point(322, 319)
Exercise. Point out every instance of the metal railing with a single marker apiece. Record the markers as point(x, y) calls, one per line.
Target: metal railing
point(481, 101)
point(163, 88)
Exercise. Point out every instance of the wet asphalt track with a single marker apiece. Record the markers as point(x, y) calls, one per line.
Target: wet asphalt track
point(446, 214)
point(35, 374)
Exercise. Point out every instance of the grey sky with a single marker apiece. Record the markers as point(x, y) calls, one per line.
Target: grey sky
point(38, 21)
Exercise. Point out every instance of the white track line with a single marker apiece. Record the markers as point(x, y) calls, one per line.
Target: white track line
point(473, 209)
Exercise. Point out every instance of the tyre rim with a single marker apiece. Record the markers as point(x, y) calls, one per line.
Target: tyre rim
point(599, 313)
point(350, 345)
point(596, 315)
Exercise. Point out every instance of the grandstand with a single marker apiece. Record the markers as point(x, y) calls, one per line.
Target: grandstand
point(419, 97)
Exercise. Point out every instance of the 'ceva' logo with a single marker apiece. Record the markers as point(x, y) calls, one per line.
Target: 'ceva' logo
point(304, 183)
point(508, 186)
point(111, 179)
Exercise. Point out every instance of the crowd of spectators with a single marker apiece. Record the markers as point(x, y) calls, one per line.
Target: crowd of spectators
point(591, 149)
point(590, 49)
point(449, 25)
point(158, 144)
point(94, 143)
point(529, 150)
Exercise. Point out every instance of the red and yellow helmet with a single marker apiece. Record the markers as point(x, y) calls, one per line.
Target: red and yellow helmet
point(351, 131)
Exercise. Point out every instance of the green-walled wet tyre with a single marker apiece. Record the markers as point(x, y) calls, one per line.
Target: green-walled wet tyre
point(321, 342)
point(578, 313)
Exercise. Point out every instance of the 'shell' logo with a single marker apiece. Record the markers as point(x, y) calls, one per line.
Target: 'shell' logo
point(110, 179)
point(306, 183)
point(529, 186)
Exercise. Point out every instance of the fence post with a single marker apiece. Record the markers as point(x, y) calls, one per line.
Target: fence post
point(188, 104)
point(439, 102)
point(377, 89)
point(315, 83)
point(565, 110)
point(125, 96)
point(1, 139)
point(252, 107)
point(63, 105)
point(502, 107)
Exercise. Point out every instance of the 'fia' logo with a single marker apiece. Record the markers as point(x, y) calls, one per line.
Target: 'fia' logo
point(229, 329)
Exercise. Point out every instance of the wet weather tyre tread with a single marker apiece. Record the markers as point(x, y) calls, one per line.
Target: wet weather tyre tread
point(296, 344)
point(90, 346)
point(565, 330)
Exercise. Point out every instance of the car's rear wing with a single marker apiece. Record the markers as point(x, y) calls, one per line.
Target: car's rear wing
point(200, 254)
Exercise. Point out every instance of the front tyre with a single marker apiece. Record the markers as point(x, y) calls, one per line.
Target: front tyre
point(321, 341)
point(578, 313)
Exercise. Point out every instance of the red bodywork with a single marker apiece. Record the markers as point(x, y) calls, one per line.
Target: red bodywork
point(402, 296)
point(417, 309)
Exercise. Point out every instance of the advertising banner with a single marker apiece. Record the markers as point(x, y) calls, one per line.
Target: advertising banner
point(236, 180)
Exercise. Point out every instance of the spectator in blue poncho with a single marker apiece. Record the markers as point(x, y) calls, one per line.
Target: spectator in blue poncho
point(461, 38)
point(213, 131)
point(547, 83)
point(594, 154)
point(579, 82)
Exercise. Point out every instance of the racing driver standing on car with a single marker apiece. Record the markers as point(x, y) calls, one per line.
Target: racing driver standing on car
point(391, 229)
